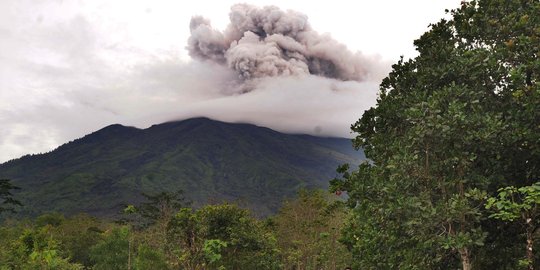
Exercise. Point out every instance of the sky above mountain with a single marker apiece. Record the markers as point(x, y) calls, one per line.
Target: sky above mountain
point(71, 67)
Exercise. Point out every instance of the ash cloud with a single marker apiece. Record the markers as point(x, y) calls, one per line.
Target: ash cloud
point(270, 42)
point(66, 74)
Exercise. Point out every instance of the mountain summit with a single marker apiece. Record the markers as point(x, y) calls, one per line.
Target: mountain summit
point(211, 161)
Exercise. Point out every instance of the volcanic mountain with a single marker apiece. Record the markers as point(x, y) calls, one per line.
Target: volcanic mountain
point(210, 161)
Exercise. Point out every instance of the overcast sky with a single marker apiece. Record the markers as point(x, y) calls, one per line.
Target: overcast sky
point(68, 68)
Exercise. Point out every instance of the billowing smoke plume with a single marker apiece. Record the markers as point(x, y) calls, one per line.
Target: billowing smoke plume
point(242, 78)
point(268, 42)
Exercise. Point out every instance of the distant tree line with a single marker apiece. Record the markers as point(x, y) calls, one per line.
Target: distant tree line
point(165, 233)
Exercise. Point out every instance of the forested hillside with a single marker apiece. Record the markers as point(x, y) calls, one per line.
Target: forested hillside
point(211, 161)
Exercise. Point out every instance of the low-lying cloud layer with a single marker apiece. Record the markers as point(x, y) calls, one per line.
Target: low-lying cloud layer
point(64, 74)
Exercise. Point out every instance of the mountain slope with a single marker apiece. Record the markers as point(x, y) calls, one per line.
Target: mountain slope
point(210, 160)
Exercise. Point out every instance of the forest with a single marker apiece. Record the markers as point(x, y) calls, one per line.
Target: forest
point(452, 179)
point(166, 233)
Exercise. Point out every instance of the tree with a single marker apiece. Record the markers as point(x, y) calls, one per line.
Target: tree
point(184, 239)
point(152, 217)
point(36, 248)
point(77, 235)
point(162, 206)
point(212, 251)
point(522, 204)
point(221, 236)
point(49, 257)
point(7, 201)
point(149, 259)
point(450, 126)
point(53, 219)
point(307, 228)
point(113, 252)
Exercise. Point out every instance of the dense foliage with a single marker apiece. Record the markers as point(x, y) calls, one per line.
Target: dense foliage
point(219, 236)
point(210, 160)
point(308, 232)
point(452, 127)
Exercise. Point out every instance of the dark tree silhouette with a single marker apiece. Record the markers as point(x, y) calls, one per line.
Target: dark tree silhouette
point(7, 202)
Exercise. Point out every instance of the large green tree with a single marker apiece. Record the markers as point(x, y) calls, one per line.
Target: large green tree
point(152, 217)
point(218, 236)
point(162, 206)
point(114, 251)
point(32, 248)
point(77, 235)
point(308, 229)
point(457, 122)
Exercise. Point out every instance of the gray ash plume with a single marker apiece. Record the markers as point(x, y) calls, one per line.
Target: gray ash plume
point(270, 42)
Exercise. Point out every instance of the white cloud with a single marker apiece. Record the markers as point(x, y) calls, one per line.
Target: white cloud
point(68, 68)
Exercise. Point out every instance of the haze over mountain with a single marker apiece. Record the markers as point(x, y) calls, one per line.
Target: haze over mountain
point(70, 68)
point(211, 161)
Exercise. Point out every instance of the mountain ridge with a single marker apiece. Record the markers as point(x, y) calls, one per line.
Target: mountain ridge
point(210, 160)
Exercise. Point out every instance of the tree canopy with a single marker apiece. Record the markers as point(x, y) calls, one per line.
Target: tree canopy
point(450, 127)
